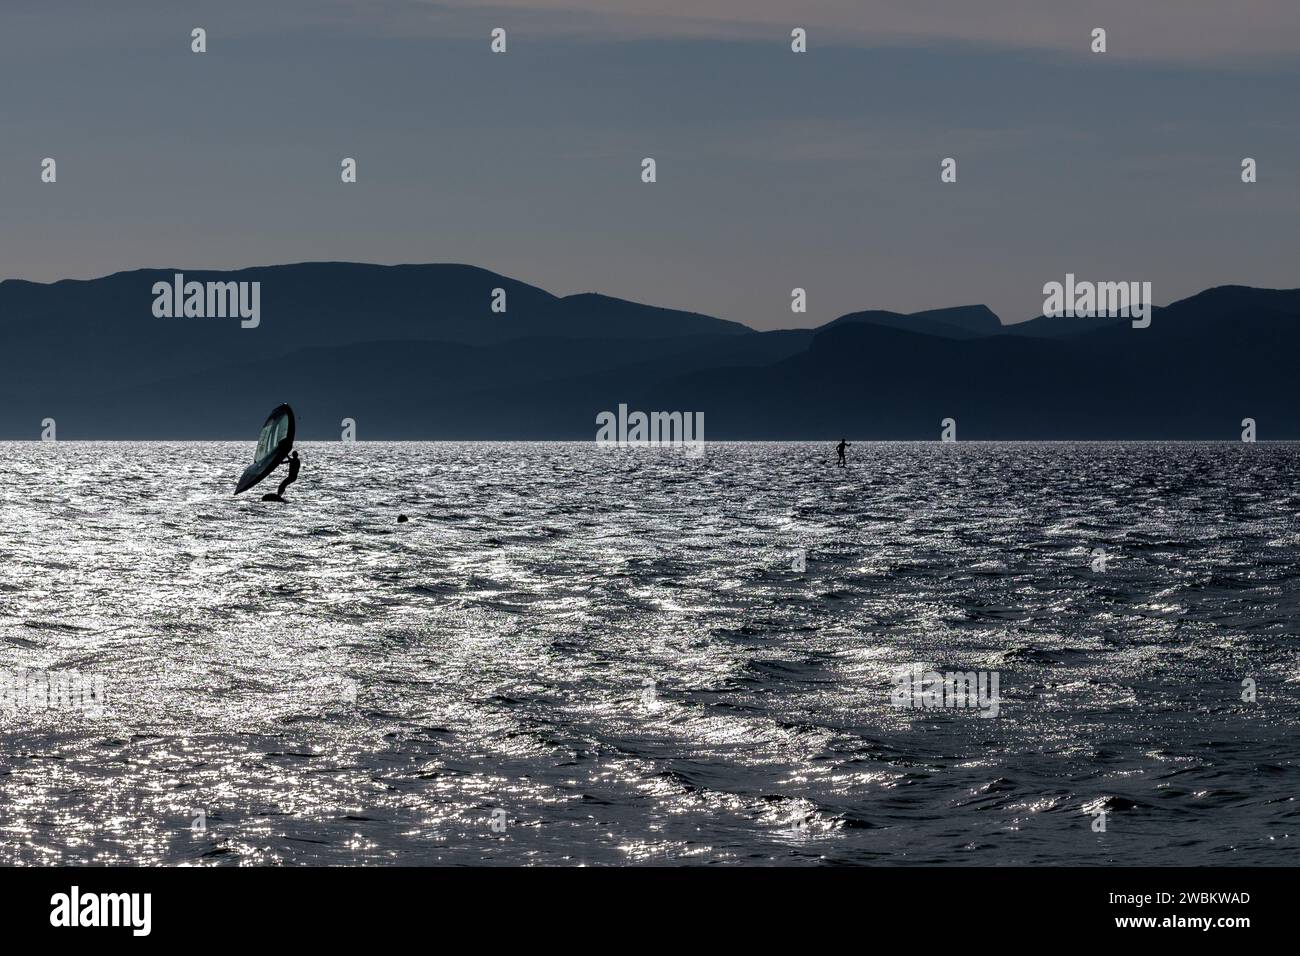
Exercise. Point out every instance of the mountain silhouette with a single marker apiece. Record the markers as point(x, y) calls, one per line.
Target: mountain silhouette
point(416, 351)
point(963, 322)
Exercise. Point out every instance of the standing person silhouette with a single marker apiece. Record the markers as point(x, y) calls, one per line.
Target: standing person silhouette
point(839, 450)
point(294, 466)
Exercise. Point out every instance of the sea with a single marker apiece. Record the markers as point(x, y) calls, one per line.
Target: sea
point(571, 655)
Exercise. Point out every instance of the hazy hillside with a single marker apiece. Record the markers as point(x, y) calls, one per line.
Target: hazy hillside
point(417, 352)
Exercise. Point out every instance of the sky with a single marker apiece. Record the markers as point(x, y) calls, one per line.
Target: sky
point(775, 170)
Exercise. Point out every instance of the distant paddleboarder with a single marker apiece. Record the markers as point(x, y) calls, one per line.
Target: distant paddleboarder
point(294, 466)
point(839, 450)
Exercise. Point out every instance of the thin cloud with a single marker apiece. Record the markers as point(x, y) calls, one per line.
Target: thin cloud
point(1177, 30)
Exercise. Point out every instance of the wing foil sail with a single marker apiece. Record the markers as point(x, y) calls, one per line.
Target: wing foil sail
point(273, 446)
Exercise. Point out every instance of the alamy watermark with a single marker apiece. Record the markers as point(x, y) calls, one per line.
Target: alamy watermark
point(208, 300)
point(655, 430)
point(919, 689)
point(24, 690)
point(1073, 299)
point(75, 908)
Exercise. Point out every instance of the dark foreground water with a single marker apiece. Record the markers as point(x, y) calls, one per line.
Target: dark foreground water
point(571, 655)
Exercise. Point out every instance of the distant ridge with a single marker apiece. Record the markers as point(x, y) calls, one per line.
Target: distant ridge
point(415, 351)
point(962, 322)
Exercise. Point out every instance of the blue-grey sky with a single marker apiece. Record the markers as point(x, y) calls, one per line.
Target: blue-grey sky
point(775, 169)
